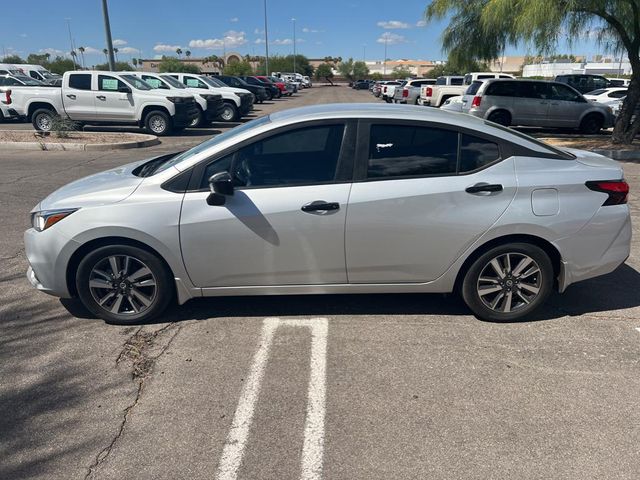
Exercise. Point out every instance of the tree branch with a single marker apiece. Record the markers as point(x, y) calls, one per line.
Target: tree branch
point(615, 23)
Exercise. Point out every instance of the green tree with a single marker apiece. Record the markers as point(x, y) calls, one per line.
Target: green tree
point(401, 72)
point(483, 28)
point(325, 71)
point(187, 53)
point(360, 70)
point(346, 69)
point(179, 52)
point(238, 69)
point(119, 67)
point(14, 59)
point(279, 63)
point(39, 59)
point(376, 76)
point(172, 64)
point(81, 50)
point(457, 66)
point(60, 65)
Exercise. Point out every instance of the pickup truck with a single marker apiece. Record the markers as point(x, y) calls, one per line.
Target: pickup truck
point(210, 105)
point(410, 93)
point(388, 89)
point(453, 86)
point(237, 102)
point(104, 98)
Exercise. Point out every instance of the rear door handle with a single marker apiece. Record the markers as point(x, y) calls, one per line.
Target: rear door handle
point(484, 187)
point(320, 206)
point(101, 97)
point(71, 96)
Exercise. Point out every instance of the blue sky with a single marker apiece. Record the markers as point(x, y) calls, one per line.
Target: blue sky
point(143, 28)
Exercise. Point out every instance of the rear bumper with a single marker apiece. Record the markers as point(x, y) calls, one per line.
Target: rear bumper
point(185, 113)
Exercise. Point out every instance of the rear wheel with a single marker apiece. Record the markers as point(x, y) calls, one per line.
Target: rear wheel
point(229, 113)
point(508, 282)
point(42, 119)
point(158, 123)
point(591, 124)
point(500, 117)
point(123, 284)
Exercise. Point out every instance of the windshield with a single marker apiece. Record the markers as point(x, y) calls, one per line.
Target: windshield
point(32, 82)
point(211, 142)
point(135, 82)
point(175, 83)
point(214, 82)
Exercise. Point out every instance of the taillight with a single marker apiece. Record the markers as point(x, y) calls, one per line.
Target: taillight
point(385, 90)
point(476, 101)
point(405, 92)
point(618, 190)
point(429, 91)
point(7, 97)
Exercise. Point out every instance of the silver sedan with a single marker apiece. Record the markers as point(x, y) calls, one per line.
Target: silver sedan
point(343, 198)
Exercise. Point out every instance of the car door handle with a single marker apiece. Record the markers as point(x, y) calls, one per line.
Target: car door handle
point(320, 206)
point(71, 96)
point(101, 97)
point(484, 187)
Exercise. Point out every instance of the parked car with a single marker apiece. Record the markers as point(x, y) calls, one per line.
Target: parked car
point(38, 72)
point(210, 105)
point(7, 112)
point(538, 103)
point(447, 86)
point(472, 77)
point(307, 81)
point(360, 85)
point(504, 217)
point(97, 97)
point(410, 92)
point(270, 89)
point(584, 83)
point(282, 86)
point(389, 88)
point(237, 102)
point(453, 104)
point(9, 69)
point(19, 80)
point(606, 95)
point(259, 92)
point(618, 82)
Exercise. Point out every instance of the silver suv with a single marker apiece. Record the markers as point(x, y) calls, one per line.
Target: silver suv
point(536, 103)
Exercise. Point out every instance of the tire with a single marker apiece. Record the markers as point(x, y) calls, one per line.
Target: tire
point(500, 117)
point(279, 94)
point(42, 119)
point(522, 285)
point(269, 96)
point(591, 124)
point(140, 290)
point(229, 113)
point(158, 123)
point(199, 120)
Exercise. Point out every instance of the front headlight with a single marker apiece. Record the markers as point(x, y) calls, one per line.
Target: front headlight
point(177, 99)
point(47, 218)
point(207, 96)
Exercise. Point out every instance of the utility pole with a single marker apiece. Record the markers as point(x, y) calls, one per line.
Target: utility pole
point(294, 45)
point(266, 41)
point(364, 52)
point(385, 55)
point(73, 48)
point(107, 30)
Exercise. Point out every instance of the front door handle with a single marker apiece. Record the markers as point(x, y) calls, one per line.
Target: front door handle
point(71, 96)
point(320, 206)
point(101, 97)
point(484, 187)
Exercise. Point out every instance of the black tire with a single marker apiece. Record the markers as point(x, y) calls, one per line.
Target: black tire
point(269, 96)
point(42, 119)
point(279, 94)
point(500, 117)
point(158, 123)
point(199, 120)
point(511, 286)
point(159, 273)
point(230, 112)
point(591, 124)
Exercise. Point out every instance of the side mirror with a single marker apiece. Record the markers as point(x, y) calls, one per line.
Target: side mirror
point(221, 186)
point(124, 89)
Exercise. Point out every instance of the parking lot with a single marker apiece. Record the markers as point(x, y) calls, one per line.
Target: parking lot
point(311, 387)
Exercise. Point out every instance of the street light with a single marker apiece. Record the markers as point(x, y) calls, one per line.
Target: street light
point(385, 54)
point(266, 41)
point(294, 45)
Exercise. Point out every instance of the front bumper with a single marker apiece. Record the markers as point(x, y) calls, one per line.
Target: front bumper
point(246, 103)
point(214, 108)
point(185, 113)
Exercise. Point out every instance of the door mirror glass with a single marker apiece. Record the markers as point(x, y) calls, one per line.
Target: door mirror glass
point(221, 183)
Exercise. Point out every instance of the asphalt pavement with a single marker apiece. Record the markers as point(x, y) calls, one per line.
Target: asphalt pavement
point(310, 387)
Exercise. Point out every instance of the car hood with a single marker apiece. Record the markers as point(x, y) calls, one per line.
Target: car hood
point(102, 188)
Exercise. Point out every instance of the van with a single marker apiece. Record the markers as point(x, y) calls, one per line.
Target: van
point(469, 78)
point(9, 69)
point(38, 72)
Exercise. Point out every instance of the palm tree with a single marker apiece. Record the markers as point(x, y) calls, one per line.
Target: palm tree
point(187, 53)
point(179, 51)
point(74, 56)
point(81, 50)
point(106, 54)
point(135, 62)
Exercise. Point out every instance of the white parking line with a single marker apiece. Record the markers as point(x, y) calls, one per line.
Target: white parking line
point(638, 329)
point(313, 447)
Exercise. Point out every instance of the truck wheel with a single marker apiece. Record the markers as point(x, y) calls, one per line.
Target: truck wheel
point(229, 113)
point(42, 119)
point(199, 120)
point(158, 123)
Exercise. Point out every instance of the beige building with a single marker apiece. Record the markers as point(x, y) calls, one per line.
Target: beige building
point(204, 64)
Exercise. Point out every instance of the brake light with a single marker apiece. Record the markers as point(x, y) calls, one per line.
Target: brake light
point(405, 92)
point(385, 90)
point(7, 97)
point(618, 190)
point(429, 91)
point(476, 101)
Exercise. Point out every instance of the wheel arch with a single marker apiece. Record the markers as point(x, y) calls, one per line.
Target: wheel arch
point(499, 109)
point(33, 106)
point(150, 108)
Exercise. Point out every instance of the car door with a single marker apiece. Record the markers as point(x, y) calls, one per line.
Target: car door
point(565, 106)
point(79, 97)
point(284, 224)
point(417, 204)
point(532, 106)
point(114, 105)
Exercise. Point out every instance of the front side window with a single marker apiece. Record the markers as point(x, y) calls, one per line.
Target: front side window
point(600, 82)
point(109, 84)
point(80, 81)
point(408, 151)
point(194, 82)
point(476, 153)
point(564, 93)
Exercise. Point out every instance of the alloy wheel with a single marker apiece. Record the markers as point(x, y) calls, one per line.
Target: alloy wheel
point(157, 124)
point(227, 113)
point(44, 122)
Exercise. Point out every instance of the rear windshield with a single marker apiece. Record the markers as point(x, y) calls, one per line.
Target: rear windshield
point(473, 88)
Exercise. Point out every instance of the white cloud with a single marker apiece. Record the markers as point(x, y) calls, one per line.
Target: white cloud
point(311, 30)
point(421, 23)
point(118, 42)
point(23, 35)
point(161, 47)
point(234, 20)
point(257, 31)
point(284, 41)
point(52, 51)
point(391, 38)
point(393, 24)
point(129, 51)
point(92, 51)
point(231, 39)
point(258, 41)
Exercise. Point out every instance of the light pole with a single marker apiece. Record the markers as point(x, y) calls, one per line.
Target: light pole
point(107, 30)
point(73, 48)
point(294, 45)
point(266, 41)
point(385, 54)
point(364, 52)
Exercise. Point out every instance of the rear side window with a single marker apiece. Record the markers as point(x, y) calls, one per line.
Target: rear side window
point(456, 81)
point(473, 88)
point(476, 153)
point(618, 94)
point(537, 90)
point(80, 81)
point(597, 92)
point(407, 151)
point(503, 89)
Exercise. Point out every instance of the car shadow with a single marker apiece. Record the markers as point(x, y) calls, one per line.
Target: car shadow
point(615, 291)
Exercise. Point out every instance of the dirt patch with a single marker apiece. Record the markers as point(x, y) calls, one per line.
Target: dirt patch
point(598, 143)
point(73, 137)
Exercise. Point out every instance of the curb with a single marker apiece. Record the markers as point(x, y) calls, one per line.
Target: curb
point(147, 141)
point(618, 154)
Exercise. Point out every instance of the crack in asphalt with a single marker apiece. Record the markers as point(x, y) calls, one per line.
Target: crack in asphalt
point(136, 350)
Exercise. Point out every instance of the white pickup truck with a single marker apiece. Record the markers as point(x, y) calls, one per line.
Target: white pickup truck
point(104, 98)
point(452, 86)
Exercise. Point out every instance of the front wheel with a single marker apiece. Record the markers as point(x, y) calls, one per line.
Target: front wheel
point(591, 124)
point(508, 282)
point(198, 120)
point(43, 119)
point(123, 284)
point(158, 123)
point(229, 113)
